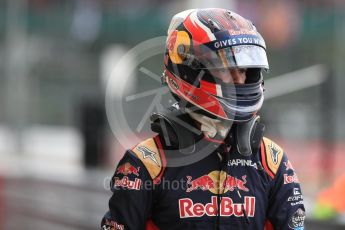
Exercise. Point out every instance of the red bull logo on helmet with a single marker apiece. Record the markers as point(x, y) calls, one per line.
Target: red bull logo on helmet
point(188, 209)
point(212, 183)
point(127, 169)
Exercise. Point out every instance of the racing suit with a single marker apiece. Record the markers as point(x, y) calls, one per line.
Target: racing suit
point(224, 190)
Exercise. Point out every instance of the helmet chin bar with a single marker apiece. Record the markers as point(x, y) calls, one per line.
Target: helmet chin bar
point(242, 101)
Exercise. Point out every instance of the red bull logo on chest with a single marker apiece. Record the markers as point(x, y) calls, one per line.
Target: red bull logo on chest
point(217, 182)
point(188, 208)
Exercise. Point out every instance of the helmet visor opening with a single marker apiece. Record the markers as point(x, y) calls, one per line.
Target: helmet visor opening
point(241, 56)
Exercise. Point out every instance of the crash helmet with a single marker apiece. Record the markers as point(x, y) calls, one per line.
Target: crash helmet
point(201, 40)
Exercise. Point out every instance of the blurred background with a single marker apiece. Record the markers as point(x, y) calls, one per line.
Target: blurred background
point(57, 150)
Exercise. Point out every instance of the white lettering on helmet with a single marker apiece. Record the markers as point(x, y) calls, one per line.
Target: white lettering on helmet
point(225, 43)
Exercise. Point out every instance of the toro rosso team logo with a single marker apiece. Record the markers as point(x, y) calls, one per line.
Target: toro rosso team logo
point(127, 169)
point(213, 184)
point(274, 153)
point(147, 153)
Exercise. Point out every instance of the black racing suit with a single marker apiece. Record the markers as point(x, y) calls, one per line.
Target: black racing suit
point(223, 190)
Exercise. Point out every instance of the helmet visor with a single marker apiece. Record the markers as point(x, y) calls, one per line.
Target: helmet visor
point(241, 56)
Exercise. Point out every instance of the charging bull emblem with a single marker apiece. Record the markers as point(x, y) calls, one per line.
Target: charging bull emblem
point(212, 183)
point(127, 169)
point(204, 183)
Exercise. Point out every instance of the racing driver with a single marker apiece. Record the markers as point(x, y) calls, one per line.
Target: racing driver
point(209, 166)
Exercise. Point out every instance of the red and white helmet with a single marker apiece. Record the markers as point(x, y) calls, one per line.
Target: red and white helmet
point(203, 39)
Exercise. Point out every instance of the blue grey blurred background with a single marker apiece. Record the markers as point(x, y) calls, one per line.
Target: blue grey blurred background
point(57, 149)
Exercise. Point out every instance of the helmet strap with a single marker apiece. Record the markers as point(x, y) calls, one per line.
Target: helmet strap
point(247, 136)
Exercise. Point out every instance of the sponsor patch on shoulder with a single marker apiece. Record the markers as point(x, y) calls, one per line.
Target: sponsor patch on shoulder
point(297, 220)
point(149, 154)
point(112, 225)
point(296, 198)
point(274, 152)
point(288, 179)
point(127, 168)
point(271, 156)
point(288, 166)
point(126, 183)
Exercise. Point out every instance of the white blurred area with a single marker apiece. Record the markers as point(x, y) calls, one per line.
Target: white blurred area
point(46, 185)
point(45, 151)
